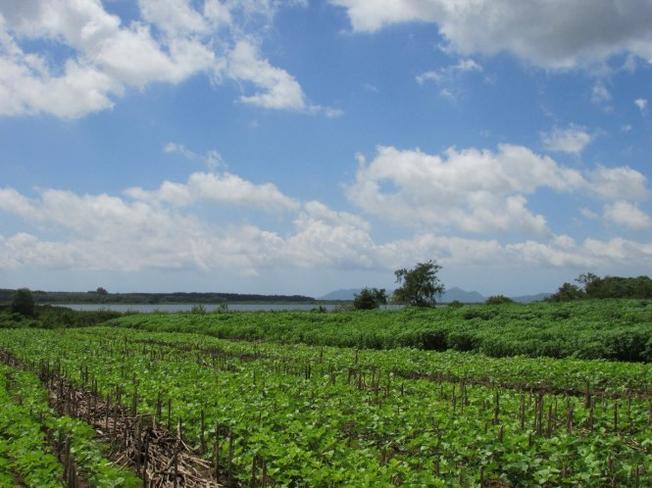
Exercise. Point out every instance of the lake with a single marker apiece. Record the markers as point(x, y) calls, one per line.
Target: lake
point(187, 307)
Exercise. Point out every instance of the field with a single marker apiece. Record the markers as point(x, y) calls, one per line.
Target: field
point(325, 400)
point(592, 329)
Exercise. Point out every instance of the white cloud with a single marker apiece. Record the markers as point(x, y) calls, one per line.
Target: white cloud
point(551, 34)
point(627, 215)
point(571, 140)
point(589, 214)
point(641, 103)
point(600, 94)
point(618, 183)
point(223, 188)
point(277, 88)
point(212, 158)
point(449, 72)
point(476, 190)
point(171, 42)
point(471, 190)
point(105, 232)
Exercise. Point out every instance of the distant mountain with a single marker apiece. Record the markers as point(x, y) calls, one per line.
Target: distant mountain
point(539, 297)
point(451, 295)
point(341, 294)
point(461, 296)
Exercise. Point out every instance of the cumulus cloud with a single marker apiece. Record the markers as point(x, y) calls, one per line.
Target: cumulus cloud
point(641, 103)
point(552, 34)
point(172, 41)
point(571, 140)
point(222, 188)
point(477, 190)
point(107, 232)
point(627, 214)
point(472, 190)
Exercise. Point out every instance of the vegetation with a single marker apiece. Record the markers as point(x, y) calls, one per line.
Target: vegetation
point(23, 303)
point(101, 295)
point(418, 286)
point(590, 329)
point(498, 300)
point(369, 299)
point(592, 286)
point(273, 415)
point(32, 437)
point(47, 316)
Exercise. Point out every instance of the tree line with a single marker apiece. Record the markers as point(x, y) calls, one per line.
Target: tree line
point(589, 285)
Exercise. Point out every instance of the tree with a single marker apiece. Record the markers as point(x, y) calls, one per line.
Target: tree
point(101, 291)
point(419, 285)
point(498, 300)
point(567, 292)
point(23, 302)
point(369, 298)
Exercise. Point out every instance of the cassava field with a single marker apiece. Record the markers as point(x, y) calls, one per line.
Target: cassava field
point(539, 395)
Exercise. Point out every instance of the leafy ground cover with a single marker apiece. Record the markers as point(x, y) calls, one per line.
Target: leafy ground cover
point(277, 415)
point(30, 430)
point(593, 329)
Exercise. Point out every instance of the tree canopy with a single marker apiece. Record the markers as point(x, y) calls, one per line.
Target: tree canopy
point(420, 285)
point(23, 302)
point(590, 285)
point(369, 298)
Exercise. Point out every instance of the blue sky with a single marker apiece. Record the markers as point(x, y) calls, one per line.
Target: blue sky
point(303, 146)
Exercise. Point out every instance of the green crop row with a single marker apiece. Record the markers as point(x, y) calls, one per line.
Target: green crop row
point(313, 419)
point(26, 420)
point(573, 375)
point(601, 329)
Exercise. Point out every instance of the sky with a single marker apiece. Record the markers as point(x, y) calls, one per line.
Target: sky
point(302, 146)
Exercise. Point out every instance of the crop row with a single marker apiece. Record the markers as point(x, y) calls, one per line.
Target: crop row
point(292, 423)
point(605, 329)
point(519, 373)
point(31, 433)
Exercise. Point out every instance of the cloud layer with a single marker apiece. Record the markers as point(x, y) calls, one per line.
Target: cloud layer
point(103, 56)
point(553, 34)
point(477, 191)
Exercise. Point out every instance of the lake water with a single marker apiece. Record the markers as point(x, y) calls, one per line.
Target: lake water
point(187, 307)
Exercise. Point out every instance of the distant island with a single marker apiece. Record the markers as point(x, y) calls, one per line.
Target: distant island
point(102, 296)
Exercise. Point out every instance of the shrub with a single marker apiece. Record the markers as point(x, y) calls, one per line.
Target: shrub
point(23, 303)
point(498, 300)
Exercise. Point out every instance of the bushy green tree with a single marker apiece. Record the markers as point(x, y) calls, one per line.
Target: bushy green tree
point(420, 285)
point(23, 303)
point(369, 298)
point(498, 299)
point(567, 292)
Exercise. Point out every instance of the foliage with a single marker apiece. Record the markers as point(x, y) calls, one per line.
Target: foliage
point(369, 299)
point(589, 329)
point(419, 285)
point(567, 292)
point(341, 417)
point(27, 419)
point(593, 286)
point(23, 303)
point(498, 300)
point(98, 296)
point(48, 316)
